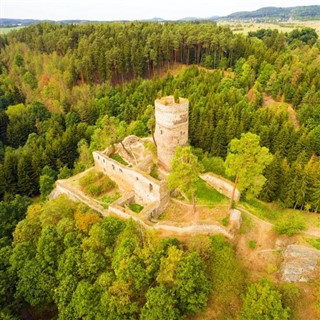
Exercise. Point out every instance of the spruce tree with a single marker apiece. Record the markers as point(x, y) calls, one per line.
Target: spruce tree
point(27, 178)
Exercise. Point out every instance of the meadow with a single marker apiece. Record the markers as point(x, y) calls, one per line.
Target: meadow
point(246, 27)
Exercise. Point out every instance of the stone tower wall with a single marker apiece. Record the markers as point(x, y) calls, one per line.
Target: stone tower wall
point(172, 120)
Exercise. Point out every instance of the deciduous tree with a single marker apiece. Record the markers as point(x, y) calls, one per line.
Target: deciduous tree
point(263, 302)
point(185, 172)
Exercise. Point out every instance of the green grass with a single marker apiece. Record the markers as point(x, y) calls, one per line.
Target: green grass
point(286, 221)
point(290, 225)
point(246, 225)
point(274, 213)
point(136, 207)
point(118, 158)
point(207, 195)
point(107, 200)
point(262, 210)
point(315, 243)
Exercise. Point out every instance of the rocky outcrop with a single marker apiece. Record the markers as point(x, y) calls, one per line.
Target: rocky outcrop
point(300, 263)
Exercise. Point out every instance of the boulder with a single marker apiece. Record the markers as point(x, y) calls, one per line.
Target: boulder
point(300, 263)
point(235, 218)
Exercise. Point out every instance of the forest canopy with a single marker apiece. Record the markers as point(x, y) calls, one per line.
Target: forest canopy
point(64, 87)
point(66, 90)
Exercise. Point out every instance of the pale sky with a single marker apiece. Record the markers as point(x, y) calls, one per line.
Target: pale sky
point(106, 10)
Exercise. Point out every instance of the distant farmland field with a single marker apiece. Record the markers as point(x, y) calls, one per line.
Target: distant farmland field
point(245, 27)
point(7, 30)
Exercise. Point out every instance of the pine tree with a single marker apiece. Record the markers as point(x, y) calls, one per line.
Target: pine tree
point(315, 200)
point(246, 160)
point(219, 143)
point(4, 121)
point(27, 178)
point(271, 188)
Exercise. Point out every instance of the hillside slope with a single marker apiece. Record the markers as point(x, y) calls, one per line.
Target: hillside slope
point(300, 12)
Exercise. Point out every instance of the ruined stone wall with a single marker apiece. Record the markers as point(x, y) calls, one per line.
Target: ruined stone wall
point(172, 120)
point(220, 184)
point(145, 188)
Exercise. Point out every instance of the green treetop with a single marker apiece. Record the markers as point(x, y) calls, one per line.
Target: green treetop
point(263, 301)
point(185, 172)
point(246, 161)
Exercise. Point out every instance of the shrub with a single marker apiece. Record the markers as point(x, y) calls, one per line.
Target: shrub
point(136, 207)
point(290, 298)
point(252, 244)
point(291, 225)
point(107, 184)
point(89, 178)
point(225, 221)
point(119, 159)
point(272, 268)
point(96, 183)
point(93, 190)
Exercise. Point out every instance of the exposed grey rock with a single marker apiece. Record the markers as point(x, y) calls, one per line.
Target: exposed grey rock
point(300, 263)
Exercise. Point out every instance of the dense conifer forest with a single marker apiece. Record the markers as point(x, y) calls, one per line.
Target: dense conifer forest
point(65, 90)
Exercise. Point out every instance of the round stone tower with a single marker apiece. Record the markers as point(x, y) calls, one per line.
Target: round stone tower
point(171, 128)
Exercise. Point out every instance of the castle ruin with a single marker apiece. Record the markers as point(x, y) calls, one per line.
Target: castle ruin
point(134, 178)
point(140, 170)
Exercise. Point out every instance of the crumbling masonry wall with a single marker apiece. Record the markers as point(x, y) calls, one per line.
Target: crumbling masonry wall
point(220, 184)
point(146, 189)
